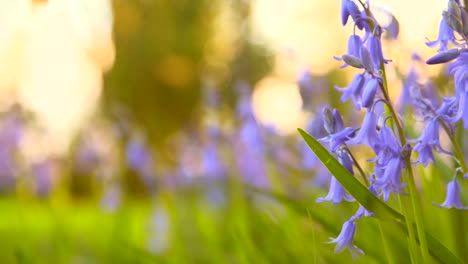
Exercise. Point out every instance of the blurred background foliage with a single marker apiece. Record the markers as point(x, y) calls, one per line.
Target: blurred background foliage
point(162, 49)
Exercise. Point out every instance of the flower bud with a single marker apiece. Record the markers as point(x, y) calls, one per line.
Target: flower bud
point(328, 120)
point(352, 61)
point(453, 21)
point(444, 57)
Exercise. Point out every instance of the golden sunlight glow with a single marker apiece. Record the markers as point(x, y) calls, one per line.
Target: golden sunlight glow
point(58, 51)
point(308, 33)
point(278, 103)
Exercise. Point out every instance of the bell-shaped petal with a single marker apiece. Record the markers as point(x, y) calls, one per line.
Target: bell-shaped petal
point(336, 193)
point(368, 132)
point(453, 198)
point(345, 239)
point(368, 94)
point(445, 37)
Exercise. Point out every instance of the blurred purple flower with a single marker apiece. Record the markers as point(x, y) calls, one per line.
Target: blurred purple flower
point(140, 159)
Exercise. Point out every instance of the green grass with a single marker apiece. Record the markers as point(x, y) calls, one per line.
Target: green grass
point(250, 226)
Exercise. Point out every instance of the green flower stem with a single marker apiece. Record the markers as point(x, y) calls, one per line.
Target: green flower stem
point(361, 171)
point(413, 192)
point(457, 151)
point(385, 242)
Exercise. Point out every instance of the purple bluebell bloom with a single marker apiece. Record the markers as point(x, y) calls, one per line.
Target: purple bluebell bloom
point(375, 50)
point(428, 141)
point(445, 37)
point(389, 177)
point(140, 159)
point(366, 61)
point(345, 239)
point(392, 29)
point(333, 122)
point(336, 193)
point(367, 134)
point(212, 164)
point(111, 199)
point(369, 92)
point(344, 12)
point(345, 160)
point(338, 139)
point(405, 99)
point(354, 90)
point(453, 199)
point(359, 17)
point(425, 154)
point(304, 80)
point(387, 146)
point(354, 45)
point(462, 111)
point(44, 174)
point(338, 134)
point(353, 55)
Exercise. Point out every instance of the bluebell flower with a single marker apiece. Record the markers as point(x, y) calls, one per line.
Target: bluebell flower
point(354, 45)
point(355, 13)
point(459, 70)
point(446, 36)
point(354, 90)
point(140, 159)
point(88, 158)
point(346, 238)
point(367, 134)
point(251, 164)
point(389, 177)
point(338, 139)
point(111, 198)
point(387, 146)
point(405, 99)
point(428, 141)
point(44, 174)
point(250, 134)
point(447, 109)
point(345, 160)
point(369, 92)
point(392, 29)
point(344, 12)
point(353, 55)
point(366, 61)
point(304, 80)
point(462, 111)
point(453, 199)
point(212, 164)
point(425, 154)
point(333, 122)
point(336, 193)
point(375, 49)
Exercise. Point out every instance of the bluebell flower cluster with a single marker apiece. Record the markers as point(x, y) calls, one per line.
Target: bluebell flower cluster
point(389, 143)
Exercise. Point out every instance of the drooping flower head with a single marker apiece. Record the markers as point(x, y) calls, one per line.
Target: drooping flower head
point(453, 198)
point(346, 238)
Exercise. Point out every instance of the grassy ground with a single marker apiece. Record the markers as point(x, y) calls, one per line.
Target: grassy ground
point(187, 226)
